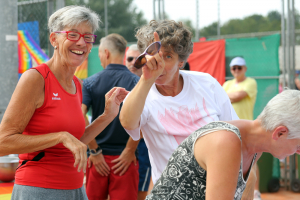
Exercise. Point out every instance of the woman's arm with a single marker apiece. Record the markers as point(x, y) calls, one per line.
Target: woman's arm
point(113, 99)
point(27, 97)
point(134, 104)
point(219, 153)
point(248, 193)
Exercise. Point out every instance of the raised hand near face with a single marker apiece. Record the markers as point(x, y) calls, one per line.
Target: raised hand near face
point(155, 64)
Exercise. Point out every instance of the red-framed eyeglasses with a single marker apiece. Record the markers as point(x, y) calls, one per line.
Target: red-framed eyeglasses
point(75, 36)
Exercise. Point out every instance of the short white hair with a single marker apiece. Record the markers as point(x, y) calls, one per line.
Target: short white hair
point(73, 16)
point(133, 47)
point(283, 110)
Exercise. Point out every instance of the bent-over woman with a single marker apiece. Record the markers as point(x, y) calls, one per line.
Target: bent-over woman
point(215, 161)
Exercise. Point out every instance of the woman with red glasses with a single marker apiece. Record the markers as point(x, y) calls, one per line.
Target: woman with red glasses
point(168, 104)
point(44, 123)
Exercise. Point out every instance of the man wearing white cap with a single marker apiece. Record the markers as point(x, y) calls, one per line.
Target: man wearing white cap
point(242, 92)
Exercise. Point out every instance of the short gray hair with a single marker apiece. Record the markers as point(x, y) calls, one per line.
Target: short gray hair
point(114, 42)
point(172, 35)
point(283, 110)
point(73, 16)
point(133, 47)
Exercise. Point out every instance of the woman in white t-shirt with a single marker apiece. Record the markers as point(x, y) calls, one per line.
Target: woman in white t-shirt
point(169, 104)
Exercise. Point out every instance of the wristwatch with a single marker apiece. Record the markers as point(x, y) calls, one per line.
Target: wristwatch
point(95, 152)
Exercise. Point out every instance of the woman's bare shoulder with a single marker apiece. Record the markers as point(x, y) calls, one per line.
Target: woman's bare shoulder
point(217, 144)
point(32, 76)
point(30, 87)
point(220, 138)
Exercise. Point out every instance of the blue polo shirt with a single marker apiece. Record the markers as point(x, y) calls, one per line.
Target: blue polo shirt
point(113, 138)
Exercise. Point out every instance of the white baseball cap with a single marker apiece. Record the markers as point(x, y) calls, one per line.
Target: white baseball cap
point(237, 61)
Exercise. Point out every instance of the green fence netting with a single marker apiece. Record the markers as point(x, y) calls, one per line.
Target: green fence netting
point(94, 65)
point(261, 55)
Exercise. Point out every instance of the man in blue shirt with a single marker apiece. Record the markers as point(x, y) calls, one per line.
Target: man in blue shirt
point(112, 166)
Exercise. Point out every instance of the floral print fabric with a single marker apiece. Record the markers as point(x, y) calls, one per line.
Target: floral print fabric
point(183, 178)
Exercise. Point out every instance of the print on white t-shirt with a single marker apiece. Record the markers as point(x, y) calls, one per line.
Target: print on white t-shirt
point(166, 121)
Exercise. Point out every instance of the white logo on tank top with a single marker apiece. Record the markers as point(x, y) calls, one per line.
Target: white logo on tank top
point(55, 96)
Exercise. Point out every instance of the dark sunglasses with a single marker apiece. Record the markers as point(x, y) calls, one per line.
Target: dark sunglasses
point(151, 50)
point(237, 67)
point(129, 59)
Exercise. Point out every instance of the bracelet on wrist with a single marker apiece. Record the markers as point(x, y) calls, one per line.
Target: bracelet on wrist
point(95, 152)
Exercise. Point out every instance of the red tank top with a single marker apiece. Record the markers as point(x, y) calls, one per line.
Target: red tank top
point(53, 167)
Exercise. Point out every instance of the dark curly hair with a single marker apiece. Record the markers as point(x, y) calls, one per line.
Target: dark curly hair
point(172, 35)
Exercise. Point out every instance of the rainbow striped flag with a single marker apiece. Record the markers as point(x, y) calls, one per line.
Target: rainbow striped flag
point(25, 61)
point(82, 70)
point(6, 190)
point(28, 50)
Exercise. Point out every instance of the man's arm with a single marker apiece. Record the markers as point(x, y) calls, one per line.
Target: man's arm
point(237, 96)
point(126, 158)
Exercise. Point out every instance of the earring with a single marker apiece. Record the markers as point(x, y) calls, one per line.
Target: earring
point(90, 50)
point(55, 47)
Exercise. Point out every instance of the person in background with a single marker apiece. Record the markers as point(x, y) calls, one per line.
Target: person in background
point(112, 166)
point(132, 53)
point(242, 90)
point(43, 122)
point(242, 93)
point(168, 104)
point(215, 161)
point(144, 163)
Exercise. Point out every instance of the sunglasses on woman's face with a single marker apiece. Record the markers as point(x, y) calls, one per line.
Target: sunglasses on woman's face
point(237, 67)
point(151, 50)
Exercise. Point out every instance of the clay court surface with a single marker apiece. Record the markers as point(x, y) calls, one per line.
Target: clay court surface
point(281, 195)
point(6, 189)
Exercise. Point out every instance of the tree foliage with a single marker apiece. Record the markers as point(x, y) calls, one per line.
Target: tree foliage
point(250, 24)
point(122, 17)
point(189, 25)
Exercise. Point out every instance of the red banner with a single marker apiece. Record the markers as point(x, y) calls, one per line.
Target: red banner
point(209, 57)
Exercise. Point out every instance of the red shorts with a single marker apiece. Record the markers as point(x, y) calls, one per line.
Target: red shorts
point(118, 187)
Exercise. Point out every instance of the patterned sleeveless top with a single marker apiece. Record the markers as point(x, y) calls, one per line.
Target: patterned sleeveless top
point(183, 178)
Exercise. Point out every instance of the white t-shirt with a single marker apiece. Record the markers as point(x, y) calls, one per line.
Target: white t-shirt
point(166, 121)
